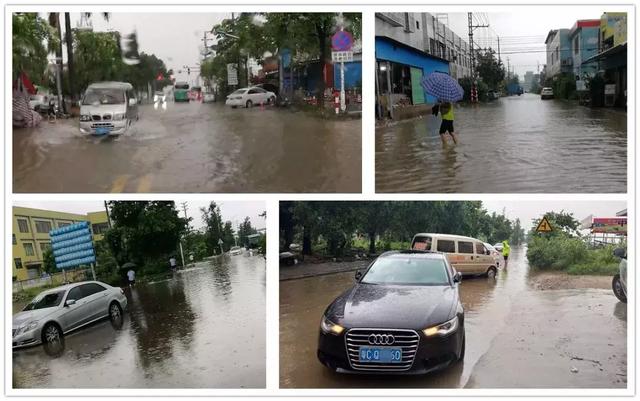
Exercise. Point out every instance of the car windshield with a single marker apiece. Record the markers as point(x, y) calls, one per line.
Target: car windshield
point(103, 96)
point(407, 270)
point(47, 300)
point(182, 86)
point(239, 92)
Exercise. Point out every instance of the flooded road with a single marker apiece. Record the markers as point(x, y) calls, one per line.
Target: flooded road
point(194, 147)
point(515, 144)
point(517, 336)
point(204, 328)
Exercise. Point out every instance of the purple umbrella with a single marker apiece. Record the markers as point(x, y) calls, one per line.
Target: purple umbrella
point(442, 86)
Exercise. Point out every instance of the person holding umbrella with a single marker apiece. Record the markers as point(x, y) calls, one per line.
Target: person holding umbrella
point(447, 90)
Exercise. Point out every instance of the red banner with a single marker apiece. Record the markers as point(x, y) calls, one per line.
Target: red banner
point(611, 225)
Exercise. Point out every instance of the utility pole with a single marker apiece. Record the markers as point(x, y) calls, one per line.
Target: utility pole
point(508, 68)
point(474, 90)
point(499, 59)
point(106, 208)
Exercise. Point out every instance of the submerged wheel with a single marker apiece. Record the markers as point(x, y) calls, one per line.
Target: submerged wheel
point(51, 333)
point(463, 349)
point(491, 272)
point(249, 104)
point(616, 284)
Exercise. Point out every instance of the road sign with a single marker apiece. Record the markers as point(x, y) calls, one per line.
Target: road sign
point(544, 226)
point(232, 74)
point(342, 56)
point(72, 245)
point(341, 41)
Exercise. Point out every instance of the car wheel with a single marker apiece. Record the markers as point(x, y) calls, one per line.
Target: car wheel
point(463, 348)
point(115, 311)
point(51, 333)
point(616, 284)
point(271, 100)
point(249, 104)
point(491, 272)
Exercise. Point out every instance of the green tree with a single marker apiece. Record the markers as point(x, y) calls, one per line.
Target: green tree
point(518, 234)
point(32, 40)
point(49, 262)
point(244, 230)
point(489, 68)
point(214, 227)
point(563, 223)
point(228, 237)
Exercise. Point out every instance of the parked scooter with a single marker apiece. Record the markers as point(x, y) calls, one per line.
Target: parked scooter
point(619, 282)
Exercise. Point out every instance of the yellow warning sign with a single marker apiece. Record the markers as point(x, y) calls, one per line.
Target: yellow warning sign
point(544, 226)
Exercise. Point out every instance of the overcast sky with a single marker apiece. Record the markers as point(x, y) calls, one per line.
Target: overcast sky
point(175, 38)
point(234, 211)
point(528, 210)
point(522, 32)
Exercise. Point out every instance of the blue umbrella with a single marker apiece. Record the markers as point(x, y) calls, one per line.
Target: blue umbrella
point(442, 86)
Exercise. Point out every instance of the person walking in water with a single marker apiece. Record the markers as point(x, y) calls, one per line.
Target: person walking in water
point(446, 127)
point(506, 250)
point(173, 263)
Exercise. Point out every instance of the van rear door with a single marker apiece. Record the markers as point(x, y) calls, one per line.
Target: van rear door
point(422, 243)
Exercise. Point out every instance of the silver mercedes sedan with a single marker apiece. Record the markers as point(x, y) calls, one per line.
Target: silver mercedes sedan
point(58, 311)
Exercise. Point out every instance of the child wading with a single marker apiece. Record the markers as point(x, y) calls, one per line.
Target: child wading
point(446, 127)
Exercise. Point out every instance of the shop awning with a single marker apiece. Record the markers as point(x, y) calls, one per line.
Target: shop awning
point(607, 53)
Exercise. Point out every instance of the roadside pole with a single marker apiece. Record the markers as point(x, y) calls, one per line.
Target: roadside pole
point(181, 254)
point(59, 84)
point(343, 105)
point(220, 242)
point(64, 276)
point(93, 271)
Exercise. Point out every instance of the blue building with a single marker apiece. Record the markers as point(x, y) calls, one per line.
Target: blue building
point(399, 71)
point(352, 73)
point(583, 39)
point(559, 58)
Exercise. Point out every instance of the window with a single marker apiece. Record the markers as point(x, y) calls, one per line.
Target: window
point(99, 228)
point(23, 225)
point(63, 224)
point(43, 226)
point(465, 247)
point(91, 288)
point(14, 239)
point(28, 249)
point(576, 45)
point(44, 246)
point(480, 249)
point(75, 293)
point(18, 263)
point(418, 25)
point(422, 243)
point(446, 246)
point(253, 91)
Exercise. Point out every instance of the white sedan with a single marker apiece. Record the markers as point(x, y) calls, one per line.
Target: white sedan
point(249, 97)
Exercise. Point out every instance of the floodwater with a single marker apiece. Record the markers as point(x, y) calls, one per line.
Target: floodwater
point(204, 328)
point(194, 147)
point(517, 336)
point(514, 144)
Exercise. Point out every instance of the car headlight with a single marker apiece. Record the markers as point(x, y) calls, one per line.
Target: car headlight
point(85, 117)
point(443, 329)
point(329, 327)
point(25, 327)
point(118, 116)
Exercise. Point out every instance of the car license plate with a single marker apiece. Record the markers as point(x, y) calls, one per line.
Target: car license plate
point(102, 130)
point(381, 354)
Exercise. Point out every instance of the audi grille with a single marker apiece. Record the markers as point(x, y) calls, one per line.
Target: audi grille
point(408, 340)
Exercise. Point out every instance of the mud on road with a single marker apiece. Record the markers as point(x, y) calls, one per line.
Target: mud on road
point(518, 336)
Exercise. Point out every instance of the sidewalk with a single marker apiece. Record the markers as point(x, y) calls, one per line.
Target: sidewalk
point(304, 270)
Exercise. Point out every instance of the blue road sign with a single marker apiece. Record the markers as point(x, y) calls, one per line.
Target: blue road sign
point(72, 245)
point(342, 41)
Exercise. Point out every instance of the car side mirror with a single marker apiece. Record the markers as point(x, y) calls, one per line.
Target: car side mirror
point(70, 302)
point(133, 101)
point(358, 275)
point(457, 277)
point(619, 253)
point(487, 252)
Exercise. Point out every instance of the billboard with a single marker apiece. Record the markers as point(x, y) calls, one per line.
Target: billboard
point(72, 245)
point(609, 225)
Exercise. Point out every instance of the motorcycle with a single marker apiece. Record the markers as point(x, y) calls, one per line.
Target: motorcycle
point(619, 282)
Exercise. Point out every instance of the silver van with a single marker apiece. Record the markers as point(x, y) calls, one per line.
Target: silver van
point(108, 108)
point(467, 255)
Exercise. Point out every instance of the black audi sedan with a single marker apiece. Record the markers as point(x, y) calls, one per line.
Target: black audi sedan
point(403, 316)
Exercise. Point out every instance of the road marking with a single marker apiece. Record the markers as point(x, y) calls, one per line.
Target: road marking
point(119, 183)
point(144, 184)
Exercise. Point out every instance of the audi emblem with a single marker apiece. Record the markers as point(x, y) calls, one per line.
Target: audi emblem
point(381, 339)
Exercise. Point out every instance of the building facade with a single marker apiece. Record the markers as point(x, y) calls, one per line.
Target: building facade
point(583, 39)
point(31, 236)
point(559, 58)
point(408, 47)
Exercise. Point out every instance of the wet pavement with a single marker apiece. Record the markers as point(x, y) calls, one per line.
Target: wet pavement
point(194, 147)
point(517, 336)
point(515, 144)
point(204, 328)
